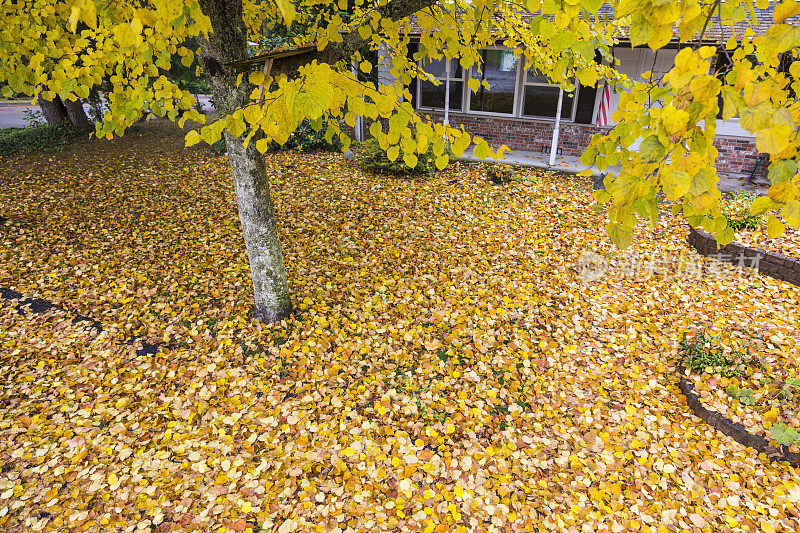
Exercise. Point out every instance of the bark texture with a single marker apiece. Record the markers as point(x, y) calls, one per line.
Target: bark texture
point(53, 110)
point(58, 110)
point(272, 299)
point(77, 115)
point(228, 43)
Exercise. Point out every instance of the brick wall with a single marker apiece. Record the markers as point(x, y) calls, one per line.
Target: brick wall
point(523, 134)
point(736, 155)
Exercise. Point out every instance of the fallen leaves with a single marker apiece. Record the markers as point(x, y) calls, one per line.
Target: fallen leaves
point(447, 367)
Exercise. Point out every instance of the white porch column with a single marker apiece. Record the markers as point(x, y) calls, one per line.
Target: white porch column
point(358, 126)
point(446, 120)
point(554, 144)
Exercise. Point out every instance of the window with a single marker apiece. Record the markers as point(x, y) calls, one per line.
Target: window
point(431, 95)
point(513, 90)
point(540, 97)
point(499, 68)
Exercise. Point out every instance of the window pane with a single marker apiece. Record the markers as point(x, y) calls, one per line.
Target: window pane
point(435, 67)
point(541, 101)
point(433, 96)
point(534, 76)
point(500, 70)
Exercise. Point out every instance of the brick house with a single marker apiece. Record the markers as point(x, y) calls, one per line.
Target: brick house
point(520, 108)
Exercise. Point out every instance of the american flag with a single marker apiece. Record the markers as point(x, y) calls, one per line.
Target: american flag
point(603, 112)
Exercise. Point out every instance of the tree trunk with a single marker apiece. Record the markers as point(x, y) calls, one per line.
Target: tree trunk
point(53, 110)
point(227, 43)
point(221, 52)
point(77, 115)
point(257, 216)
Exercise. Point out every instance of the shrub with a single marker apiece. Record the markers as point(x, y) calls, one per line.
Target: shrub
point(736, 210)
point(306, 139)
point(43, 137)
point(373, 158)
point(219, 147)
point(33, 117)
point(501, 174)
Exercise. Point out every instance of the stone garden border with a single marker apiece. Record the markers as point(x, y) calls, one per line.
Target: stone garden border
point(734, 430)
point(772, 264)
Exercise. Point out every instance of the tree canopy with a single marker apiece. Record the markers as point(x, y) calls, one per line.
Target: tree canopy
point(53, 48)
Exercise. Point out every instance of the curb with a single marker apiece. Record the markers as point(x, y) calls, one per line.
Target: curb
point(770, 264)
point(734, 430)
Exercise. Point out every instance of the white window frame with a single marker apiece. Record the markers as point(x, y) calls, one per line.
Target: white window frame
point(515, 113)
point(443, 78)
point(519, 93)
point(526, 83)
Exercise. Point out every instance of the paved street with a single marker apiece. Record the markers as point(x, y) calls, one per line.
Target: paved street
point(13, 112)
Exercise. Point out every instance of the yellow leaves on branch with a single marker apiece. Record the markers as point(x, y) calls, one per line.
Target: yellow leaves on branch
point(664, 136)
point(83, 10)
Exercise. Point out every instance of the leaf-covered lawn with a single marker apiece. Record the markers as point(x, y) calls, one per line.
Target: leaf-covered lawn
point(447, 368)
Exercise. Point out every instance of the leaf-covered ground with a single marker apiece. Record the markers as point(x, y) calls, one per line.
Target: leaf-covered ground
point(448, 367)
point(787, 244)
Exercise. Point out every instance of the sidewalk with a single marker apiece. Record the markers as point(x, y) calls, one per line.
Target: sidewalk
point(524, 158)
point(728, 182)
point(24, 102)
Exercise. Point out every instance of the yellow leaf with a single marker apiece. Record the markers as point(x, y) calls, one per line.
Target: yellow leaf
point(775, 227)
point(192, 138)
point(287, 10)
point(676, 183)
point(791, 213)
point(786, 9)
point(641, 30)
point(74, 16)
point(253, 114)
point(619, 234)
point(773, 139)
point(674, 120)
point(783, 191)
point(662, 36)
